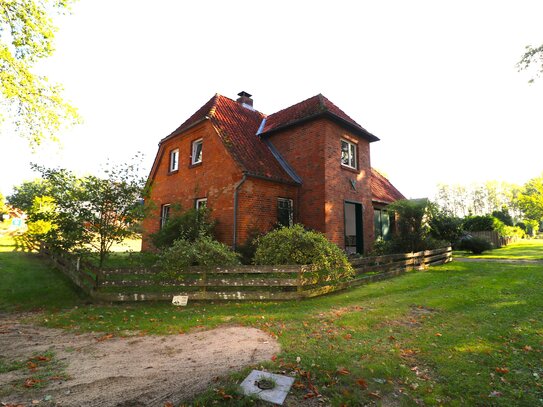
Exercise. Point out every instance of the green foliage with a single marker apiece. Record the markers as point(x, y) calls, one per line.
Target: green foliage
point(23, 195)
point(531, 199)
point(444, 226)
point(295, 245)
point(533, 57)
point(475, 245)
point(413, 225)
point(479, 223)
point(203, 251)
point(70, 213)
point(33, 105)
point(504, 216)
point(188, 225)
point(248, 249)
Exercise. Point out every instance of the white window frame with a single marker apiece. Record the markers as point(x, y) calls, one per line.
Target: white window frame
point(174, 160)
point(290, 205)
point(351, 154)
point(164, 214)
point(200, 203)
point(195, 144)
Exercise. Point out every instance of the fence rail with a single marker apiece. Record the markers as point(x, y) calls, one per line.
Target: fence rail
point(237, 283)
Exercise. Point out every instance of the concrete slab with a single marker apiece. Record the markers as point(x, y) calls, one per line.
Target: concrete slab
point(276, 395)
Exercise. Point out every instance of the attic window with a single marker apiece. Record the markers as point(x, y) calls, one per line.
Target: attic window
point(348, 154)
point(174, 160)
point(197, 151)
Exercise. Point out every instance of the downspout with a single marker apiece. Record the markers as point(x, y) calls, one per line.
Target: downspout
point(236, 190)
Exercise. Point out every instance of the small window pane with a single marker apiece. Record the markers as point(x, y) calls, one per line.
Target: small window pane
point(174, 160)
point(344, 153)
point(197, 151)
point(164, 215)
point(285, 212)
point(348, 154)
point(201, 203)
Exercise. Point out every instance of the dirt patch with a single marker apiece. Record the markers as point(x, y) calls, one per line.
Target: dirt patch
point(101, 370)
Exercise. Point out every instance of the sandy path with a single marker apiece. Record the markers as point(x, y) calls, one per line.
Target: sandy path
point(134, 371)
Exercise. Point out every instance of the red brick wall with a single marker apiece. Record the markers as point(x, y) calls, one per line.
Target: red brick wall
point(257, 205)
point(313, 150)
point(213, 179)
point(303, 148)
point(339, 188)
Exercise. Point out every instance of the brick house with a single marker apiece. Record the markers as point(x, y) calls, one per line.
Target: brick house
point(308, 163)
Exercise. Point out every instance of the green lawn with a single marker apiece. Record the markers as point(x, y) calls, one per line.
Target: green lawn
point(459, 334)
point(521, 250)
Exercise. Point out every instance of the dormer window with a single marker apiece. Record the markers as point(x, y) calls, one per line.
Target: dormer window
point(197, 151)
point(348, 154)
point(174, 160)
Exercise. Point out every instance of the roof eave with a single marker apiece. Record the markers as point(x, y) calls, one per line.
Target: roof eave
point(176, 133)
point(342, 122)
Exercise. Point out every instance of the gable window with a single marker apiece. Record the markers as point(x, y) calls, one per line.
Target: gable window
point(164, 215)
point(174, 160)
point(197, 151)
point(201, 203)
point(348, 154)
point(285, 212)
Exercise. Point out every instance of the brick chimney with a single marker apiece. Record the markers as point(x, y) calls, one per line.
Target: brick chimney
point(245, 98)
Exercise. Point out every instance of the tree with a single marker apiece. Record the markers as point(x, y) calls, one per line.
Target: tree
point(530, 199)
point(413, 224)
point(24, 194)
point(532, 57)
point(34, 106)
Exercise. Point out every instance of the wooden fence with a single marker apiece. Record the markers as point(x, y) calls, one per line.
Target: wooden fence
point(240, 282)
point(493, 237)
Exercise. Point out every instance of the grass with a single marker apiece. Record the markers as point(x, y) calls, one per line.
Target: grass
point(521, 250)
point(459, 334)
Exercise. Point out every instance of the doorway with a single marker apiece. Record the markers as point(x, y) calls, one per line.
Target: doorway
point(354, 238)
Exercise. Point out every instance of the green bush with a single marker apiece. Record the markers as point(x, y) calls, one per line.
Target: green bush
point(398, 246)
point(188, 225)
point(204, 251)
point(475, 245)
point(446, 227)
point(479, 223)
point(295, 245)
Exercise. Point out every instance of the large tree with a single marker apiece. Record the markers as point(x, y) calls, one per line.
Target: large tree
point(34, 106)
point(531, 199)
point(533, 60)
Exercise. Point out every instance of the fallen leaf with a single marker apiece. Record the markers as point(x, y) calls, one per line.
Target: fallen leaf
point(438, 334)
point(348, 337)
point(168, 404)
point(502, 370)
point(31, 365)
point(274, 358)
point(104, 337)
point(298, 385)
point(343, 371)
point(30, 382)
point(41, 358)
point(362, 383)
point(527, 348)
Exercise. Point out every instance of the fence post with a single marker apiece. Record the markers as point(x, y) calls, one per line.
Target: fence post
point(299, 285)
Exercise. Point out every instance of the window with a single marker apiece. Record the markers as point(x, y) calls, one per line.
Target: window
point(197, 151)
point(285, 212)
point(348, 154)
point(164, 215)
point(383, 223)
point(201, 203)
point(174, 160)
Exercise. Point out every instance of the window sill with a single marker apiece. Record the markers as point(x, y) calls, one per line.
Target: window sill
point(173, 172)
point(344, 167)
point(195, 165)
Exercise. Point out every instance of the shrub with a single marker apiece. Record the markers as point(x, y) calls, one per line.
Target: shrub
point(248, 249)
point(479, 223)
point(204, 251)
point(475, 245)
point(295, 245)
point(446, 227)
point(188, 225)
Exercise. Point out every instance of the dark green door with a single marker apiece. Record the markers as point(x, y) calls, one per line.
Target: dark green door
point(354, 237)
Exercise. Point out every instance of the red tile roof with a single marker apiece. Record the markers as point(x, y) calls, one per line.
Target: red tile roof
point(311, 108)
point(382, 190)
point(238, 127)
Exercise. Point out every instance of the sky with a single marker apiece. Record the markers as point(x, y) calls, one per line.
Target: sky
point(436, 81)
